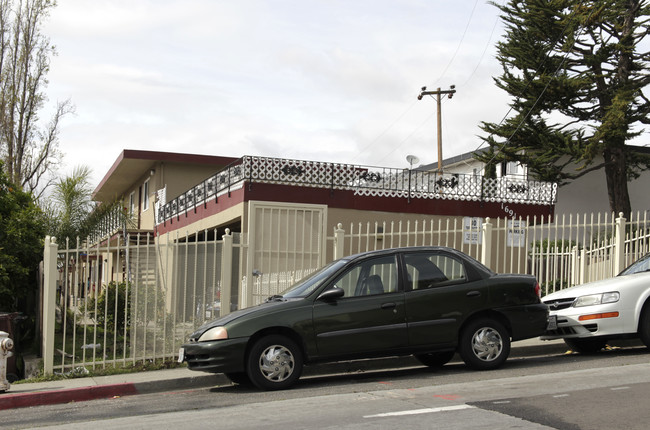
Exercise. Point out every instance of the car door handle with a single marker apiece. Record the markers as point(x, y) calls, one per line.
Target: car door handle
point(390, 305)
point(474, 294)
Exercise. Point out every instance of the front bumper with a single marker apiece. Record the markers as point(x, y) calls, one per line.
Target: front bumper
point(217, 356)
point(570, 326)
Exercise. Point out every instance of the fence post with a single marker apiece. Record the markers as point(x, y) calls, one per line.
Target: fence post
point(49, 302)
point(486, 251)
point(575, 266)
point(339, 241)
point(583, 266)
point(619, 245)
point(226, 273)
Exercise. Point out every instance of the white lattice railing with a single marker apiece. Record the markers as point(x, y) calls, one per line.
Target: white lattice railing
point(363, 180)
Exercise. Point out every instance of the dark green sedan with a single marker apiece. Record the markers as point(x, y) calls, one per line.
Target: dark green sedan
point(425, 301)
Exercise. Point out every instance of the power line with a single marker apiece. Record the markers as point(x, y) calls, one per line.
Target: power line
point(392, 124)
point(530, 81)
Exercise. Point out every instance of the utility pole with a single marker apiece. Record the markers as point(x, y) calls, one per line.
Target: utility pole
point(438, 96)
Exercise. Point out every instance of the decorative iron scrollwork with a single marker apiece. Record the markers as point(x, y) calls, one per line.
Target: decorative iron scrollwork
point(517, 188)
point(371, 176)
point(449, 183)
point(292, 170)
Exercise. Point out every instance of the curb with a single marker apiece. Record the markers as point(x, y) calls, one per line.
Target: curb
point(107, 391)
point(200, 380)
point(23, 400)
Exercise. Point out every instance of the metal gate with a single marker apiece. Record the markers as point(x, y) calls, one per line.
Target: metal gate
point(286, 242)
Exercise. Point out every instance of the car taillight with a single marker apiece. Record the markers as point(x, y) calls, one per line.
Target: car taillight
point(538, 290)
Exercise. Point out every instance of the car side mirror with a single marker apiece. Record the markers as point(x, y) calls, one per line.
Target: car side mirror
point(331, 294)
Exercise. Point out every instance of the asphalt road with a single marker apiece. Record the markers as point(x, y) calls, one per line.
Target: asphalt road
point(607, 390)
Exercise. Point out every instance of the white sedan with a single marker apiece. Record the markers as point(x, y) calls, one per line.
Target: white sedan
point(588, 316)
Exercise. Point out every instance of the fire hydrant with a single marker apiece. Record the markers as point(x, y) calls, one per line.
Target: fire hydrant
point(6, 345)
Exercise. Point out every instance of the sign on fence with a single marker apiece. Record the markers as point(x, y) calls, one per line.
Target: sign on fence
point(472, 230)
point(516, 233)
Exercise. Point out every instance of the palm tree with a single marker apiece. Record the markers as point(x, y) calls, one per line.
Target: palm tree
point(70, 211)
point(70, 205)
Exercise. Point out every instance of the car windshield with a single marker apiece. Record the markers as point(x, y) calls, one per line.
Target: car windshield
point(307, 285)
point(641, 265)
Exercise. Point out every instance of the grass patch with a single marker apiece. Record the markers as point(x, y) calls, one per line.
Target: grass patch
point(107, 371)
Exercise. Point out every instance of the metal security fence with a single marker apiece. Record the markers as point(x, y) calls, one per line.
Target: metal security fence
point(136, 298)
point(560, 253)
point(133, 299)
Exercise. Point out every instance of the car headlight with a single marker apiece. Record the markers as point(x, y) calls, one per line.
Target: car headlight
point(597, 299)
point(215, 333)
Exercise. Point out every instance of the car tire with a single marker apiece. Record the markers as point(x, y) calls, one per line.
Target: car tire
point(484, 344)
point(274, 363)
point(435, 359)
point(240, 378)
point(586, 346)
point(644, 325)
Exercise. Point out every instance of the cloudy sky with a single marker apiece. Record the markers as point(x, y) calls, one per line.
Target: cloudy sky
point(325, 80)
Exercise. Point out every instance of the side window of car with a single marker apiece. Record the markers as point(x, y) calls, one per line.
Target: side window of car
point(370, 277)
point(429, 270)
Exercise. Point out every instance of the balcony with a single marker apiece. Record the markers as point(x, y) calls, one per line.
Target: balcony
point(116, 221)
point(363, 181)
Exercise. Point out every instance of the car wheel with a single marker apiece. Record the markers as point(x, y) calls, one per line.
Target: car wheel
point(240, 378)
point(484, 344)
point(644, 326)
point(586, 346)
point(274, 363)
point(435, 359)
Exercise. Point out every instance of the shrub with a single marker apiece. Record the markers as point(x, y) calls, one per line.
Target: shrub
point(113, 311)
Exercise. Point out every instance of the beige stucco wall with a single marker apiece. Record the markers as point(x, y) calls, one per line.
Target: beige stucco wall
point(588, 194)
point(347, 216)
point(177, 178)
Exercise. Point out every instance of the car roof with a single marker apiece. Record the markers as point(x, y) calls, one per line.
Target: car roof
point(389, 251)
point(476, 266)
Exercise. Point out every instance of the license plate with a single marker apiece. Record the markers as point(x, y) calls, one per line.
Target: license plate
point(552, 322)
point(181, 355)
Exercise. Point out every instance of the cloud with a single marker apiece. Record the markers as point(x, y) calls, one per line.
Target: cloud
point(319, 80)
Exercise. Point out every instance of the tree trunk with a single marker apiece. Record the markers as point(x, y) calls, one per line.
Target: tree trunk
point(616, 173)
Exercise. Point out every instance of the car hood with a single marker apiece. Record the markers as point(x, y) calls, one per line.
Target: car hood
point(616, 283)
point(241, 313)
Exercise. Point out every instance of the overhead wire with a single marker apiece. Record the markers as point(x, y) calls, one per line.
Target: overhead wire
point(460, 42)
point(449, 63)
point(539, 97)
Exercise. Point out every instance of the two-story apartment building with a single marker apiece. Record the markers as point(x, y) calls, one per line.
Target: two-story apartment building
point(285, 210)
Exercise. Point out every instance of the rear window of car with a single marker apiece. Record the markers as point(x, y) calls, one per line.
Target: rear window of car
point(429, 270)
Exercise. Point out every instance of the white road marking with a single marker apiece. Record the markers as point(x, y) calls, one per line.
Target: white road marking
point(619, 388)
point(421, 411)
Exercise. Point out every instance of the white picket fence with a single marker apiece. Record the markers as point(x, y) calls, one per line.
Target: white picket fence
point(169, 289)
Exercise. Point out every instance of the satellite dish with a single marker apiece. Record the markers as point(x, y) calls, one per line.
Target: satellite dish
point(412, 159)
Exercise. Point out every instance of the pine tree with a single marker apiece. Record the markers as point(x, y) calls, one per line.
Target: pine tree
point(576, 77)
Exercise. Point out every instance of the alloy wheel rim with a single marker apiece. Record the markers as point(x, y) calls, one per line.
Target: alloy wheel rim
point(487, 344)
point(276, 363)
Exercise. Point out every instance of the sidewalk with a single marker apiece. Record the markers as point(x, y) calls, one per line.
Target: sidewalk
point(102, 387)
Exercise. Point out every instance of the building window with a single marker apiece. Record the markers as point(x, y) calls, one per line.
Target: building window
point(513, 168)
point(145, 195)
point(132, 204)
